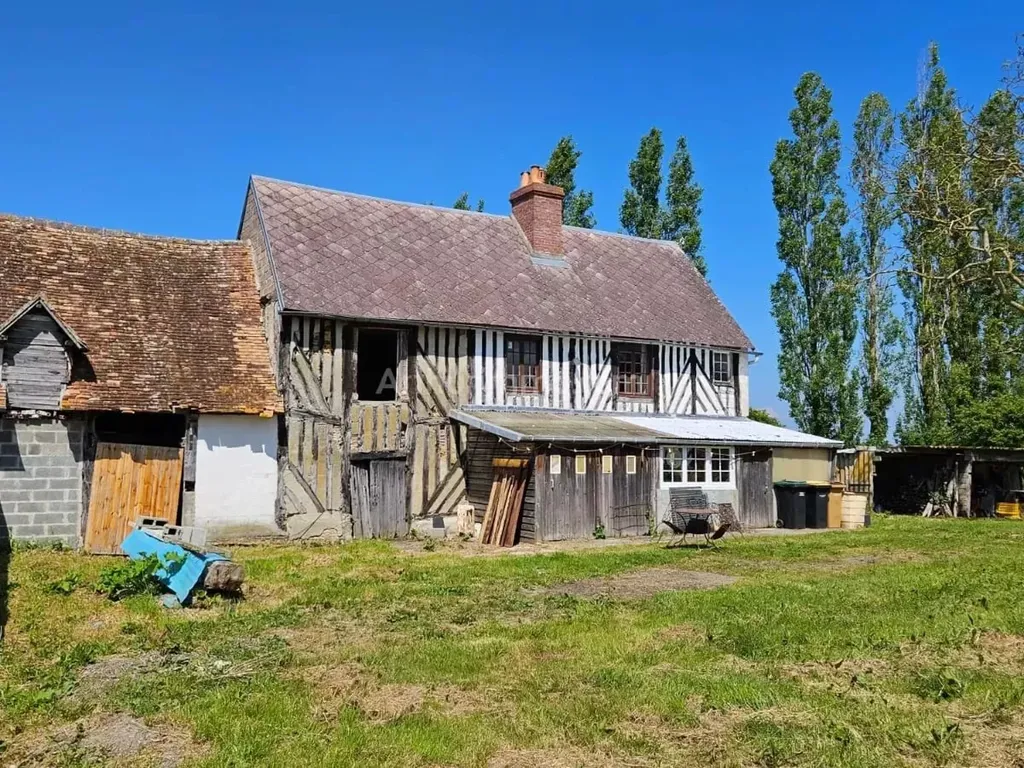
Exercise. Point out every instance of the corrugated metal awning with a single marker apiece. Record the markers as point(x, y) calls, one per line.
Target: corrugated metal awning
point(547, 426)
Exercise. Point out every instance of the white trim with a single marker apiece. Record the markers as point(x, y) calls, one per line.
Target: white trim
point(707, 483)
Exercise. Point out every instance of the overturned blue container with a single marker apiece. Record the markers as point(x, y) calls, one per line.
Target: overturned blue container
point(180, 569)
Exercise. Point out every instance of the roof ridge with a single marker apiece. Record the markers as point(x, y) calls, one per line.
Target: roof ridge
point(377, 198)
point(85, 228)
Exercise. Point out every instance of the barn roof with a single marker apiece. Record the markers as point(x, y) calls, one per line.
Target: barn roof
point(351, 256)
point(166, 323)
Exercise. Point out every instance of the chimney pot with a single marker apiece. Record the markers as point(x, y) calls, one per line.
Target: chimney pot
point(537, 206)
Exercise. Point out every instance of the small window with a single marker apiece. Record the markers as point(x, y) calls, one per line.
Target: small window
point(634, 370)
point(720, 465)
point(581, 464)
point(522, 364)
point(377, 364)
point(721, 368)
point(696, 465)
point(631, 465)
point(556, 465)
point(606, 465)
point(671, 465)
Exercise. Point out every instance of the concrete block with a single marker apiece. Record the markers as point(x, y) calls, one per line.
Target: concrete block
point(50, 518)
point(30, 507)
point(27, 531)
point(44, 436)
point(64, 485)
point(49, 495)
point(63, 529)
point(16, 519)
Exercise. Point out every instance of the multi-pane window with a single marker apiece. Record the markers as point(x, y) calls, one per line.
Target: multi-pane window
point(634, 370)
point(720, 460)
point(671, 465)
point(522, 364)
point(721, 369)
point(696, 465)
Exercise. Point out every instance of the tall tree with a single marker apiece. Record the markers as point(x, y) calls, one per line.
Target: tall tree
point(813, 299)
point(682, 206)
point(462, 203)
point(944, 348)
point(873, 138)
point(641, 213)
point(561, 171)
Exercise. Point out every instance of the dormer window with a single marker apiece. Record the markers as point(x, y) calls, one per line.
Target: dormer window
point(36, 357)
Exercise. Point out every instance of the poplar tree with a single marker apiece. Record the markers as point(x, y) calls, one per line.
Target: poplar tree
point(641, 213)
point(813, 300)
point(462, 203)
point(944, 322)
point(873, 139)
point(682, 198)
point(561, 171)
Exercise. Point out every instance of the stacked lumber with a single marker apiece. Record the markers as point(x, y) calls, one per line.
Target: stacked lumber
point(501, 520)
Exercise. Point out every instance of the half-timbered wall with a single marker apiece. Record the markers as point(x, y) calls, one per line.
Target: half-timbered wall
point(578, 373)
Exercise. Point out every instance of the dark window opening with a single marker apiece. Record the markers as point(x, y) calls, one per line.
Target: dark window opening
point(634, 371)
point(522, 364)
point(377, 364)
point(160, 429)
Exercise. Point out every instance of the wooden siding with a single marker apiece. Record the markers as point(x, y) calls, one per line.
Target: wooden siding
point(36, 367)
point(578, 373)
point(129, 482)
point(481, 450)
point(572, 506)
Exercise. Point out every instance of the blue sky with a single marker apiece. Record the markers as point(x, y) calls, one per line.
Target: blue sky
point(151, 118)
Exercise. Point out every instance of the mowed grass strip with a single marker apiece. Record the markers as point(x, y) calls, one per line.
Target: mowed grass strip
point(901, 644)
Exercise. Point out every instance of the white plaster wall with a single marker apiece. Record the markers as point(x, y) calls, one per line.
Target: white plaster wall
point(743, 379)
point(236, 475)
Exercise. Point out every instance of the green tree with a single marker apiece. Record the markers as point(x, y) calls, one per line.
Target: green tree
point(763, 416)
point(643, 213)
point(944, 319)
point(561, 171)
point(462, 203)
point(873, 138)
point(814, 299)
point(681, 220)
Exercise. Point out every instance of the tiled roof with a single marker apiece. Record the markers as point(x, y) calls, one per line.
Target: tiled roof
point(166, 322)
point(352, 256)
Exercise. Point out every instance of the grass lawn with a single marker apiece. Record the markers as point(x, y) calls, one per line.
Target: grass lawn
point(902, 644)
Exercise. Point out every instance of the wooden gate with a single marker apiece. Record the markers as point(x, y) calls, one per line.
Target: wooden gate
point(755, 490)
point(129, 482)
point(378, 499)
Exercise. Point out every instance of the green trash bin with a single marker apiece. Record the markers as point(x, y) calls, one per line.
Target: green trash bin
point(791, 498)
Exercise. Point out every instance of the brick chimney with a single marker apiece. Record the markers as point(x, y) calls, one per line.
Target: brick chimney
point(537, 206)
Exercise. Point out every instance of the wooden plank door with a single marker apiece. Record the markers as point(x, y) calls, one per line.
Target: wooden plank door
point(379, 507)
point(387, 493)
point(755, 490)
point(129, 482)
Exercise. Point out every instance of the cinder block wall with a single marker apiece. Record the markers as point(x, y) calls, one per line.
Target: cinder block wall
point(41, 479)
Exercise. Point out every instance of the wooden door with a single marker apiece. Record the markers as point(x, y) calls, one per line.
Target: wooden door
point(755, 490)
point(129, 482)
point(378, 499)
